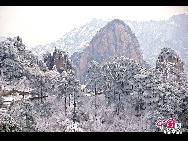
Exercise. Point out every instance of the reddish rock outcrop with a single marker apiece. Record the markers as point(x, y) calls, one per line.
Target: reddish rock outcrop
point(113, 40)
point(59, 59)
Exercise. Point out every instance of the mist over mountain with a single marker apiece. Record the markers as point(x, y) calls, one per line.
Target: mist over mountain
point(155, 35)
point(133, 73)
point(152, 37)
point(73, 41)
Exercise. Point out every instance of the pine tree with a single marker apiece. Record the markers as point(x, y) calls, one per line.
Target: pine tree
point(95, 82)
point(23, 114)
point(1, 101)
point(8, 124)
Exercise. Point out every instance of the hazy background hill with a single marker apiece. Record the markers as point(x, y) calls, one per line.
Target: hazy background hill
point(73, 41)
point(152, 37)
point(155, 35)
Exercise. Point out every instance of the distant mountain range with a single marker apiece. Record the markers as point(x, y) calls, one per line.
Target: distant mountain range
point(155, 35)
point(73, 41)
point(152, 37)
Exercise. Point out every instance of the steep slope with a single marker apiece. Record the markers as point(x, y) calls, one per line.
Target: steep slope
point(114, 40)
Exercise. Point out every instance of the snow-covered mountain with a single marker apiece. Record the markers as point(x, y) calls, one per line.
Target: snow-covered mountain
point(155, 35)
point(152, 37)
point(73, 41)
point(120, 94)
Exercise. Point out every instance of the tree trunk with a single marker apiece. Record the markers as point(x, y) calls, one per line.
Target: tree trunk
point(65, 98)
point(95, 97)
point(69, 100)
point(118, 103)
point(26, 120)
point(74, 114)
point(41, 94)
point(114, 96)
point(95, 91)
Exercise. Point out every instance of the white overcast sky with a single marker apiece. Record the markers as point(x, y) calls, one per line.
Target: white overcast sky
point(44, 24)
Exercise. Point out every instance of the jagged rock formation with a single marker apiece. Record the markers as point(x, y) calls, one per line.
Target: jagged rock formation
point(114, 40)
point(152, 37)
point(59, 60)
point(170, 65)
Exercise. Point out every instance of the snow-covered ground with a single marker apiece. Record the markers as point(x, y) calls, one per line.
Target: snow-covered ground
point(7, 100)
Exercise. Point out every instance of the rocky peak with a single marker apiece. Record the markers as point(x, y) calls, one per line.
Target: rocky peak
point(116, 23)
point(170, 64)
point(59, 59)
point(113, 40)
point(169, 56)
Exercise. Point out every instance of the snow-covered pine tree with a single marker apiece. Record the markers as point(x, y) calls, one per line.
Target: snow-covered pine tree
point(62, 90)
point(95, 82)
point(167, 88)
point(8, 124)
point(23, 113)
point(73, 92)
point(118, 77)
point(48, 60)
point(40, 86)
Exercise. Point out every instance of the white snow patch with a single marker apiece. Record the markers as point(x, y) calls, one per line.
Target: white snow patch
point(140, 76)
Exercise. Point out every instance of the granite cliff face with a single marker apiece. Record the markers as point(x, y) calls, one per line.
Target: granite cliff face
point(113, 40)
